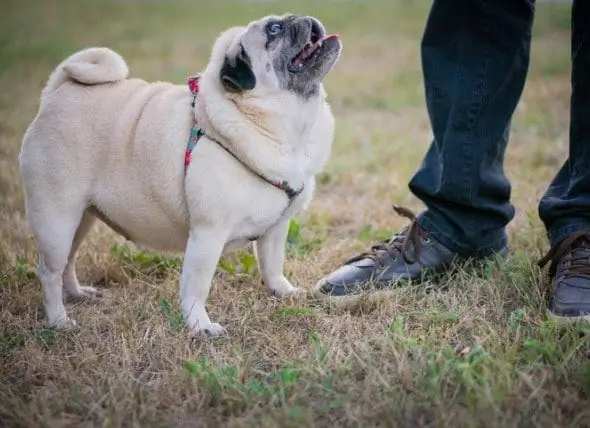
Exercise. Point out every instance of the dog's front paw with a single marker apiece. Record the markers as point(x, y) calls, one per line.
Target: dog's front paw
point(283, 288)
point(83, 293)
point(211, 331)
point(62, 323)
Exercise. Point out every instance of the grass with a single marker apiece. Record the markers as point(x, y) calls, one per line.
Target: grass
point(471, 350)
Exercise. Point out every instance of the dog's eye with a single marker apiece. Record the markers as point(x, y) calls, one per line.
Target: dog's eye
point(274, 28)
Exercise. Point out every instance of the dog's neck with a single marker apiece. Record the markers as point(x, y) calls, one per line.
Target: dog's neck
point(270, 135)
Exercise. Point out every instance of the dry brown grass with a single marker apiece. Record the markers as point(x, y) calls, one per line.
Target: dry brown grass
point(471, 350)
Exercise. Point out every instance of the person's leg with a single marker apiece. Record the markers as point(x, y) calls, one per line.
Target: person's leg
point(471, 96)
point(565, 207)
point(475, 56)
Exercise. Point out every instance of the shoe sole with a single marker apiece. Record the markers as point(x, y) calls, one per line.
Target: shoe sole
point(429, 276)
point(567, 321)
point(370, 295)
point(373, 291)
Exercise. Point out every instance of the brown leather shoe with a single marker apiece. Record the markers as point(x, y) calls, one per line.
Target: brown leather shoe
point(569, 274)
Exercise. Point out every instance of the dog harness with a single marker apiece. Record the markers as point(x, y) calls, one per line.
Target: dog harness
point(197, 133)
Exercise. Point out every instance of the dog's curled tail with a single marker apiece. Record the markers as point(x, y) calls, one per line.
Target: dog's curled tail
point(91, 66)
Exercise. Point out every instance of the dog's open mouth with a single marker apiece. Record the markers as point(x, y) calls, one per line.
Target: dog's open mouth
point(310, 51)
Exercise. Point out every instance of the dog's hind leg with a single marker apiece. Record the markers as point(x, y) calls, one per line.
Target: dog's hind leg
point(54, 225)
point(71, 285)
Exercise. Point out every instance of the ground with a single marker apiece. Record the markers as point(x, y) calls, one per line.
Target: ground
point(470, 350)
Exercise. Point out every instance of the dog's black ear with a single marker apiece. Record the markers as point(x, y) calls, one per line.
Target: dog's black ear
point(236, 73)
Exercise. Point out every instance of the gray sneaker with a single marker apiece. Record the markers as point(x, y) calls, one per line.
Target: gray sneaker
point(411, 254)
point(569, 273)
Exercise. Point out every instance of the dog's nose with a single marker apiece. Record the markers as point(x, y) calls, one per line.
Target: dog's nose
point(317, 30)
point(309, 23)
point(303, 21)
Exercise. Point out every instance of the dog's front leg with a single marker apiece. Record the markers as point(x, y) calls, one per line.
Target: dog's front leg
point(203, 251)
point(270, 254)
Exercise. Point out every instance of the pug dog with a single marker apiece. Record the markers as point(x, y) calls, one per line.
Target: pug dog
point(203, 170)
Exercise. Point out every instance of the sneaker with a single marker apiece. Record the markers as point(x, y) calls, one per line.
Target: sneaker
point(411, 254)
point(569, 274)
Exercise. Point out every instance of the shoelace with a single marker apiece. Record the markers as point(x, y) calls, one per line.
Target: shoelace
point(409, 238)
point(571, 256)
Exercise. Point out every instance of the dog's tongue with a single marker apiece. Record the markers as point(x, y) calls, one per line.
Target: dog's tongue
point(312, 48)
point(330, 37)
point(307, 52)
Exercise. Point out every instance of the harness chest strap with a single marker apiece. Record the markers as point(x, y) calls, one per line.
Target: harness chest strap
point(197, 133)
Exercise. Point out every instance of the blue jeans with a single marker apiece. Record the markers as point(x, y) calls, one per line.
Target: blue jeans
point(475, 58)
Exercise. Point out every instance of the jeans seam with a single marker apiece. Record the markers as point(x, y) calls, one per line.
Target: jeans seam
point(475, 106)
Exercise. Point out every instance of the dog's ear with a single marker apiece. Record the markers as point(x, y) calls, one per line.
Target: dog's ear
point(236, 73)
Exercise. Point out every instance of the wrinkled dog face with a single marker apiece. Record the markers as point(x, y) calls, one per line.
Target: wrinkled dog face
point(290, 53)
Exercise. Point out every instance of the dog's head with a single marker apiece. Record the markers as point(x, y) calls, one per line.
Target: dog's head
point(286, 53)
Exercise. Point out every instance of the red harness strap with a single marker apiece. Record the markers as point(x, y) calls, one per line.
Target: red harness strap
point(196, 132)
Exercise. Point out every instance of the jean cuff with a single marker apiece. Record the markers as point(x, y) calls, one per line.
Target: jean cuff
point(563, 228)
point(431, 223)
